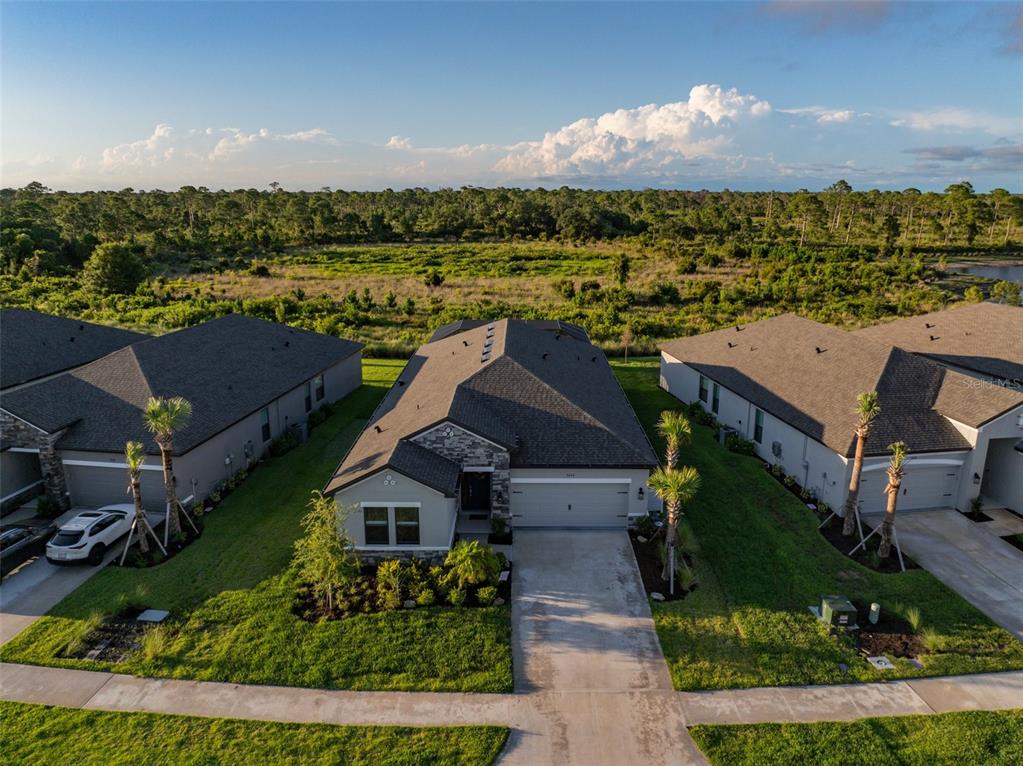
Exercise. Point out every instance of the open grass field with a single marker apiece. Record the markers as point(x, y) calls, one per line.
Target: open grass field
point(230, 596)
point(975, 737)
point(34, 734)
point(762, 562)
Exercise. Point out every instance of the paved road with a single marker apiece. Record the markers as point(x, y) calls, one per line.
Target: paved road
point(969, 559)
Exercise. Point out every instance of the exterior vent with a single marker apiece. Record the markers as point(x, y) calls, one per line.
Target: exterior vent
point(776, 449)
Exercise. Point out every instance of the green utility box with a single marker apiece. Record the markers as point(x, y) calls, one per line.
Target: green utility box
point(838, 612)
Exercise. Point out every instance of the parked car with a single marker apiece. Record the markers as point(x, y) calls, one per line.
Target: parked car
point(20, 542)
point(88, 535)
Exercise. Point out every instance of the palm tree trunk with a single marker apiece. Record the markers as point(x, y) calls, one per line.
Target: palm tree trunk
point(888, 525)
point(672, 532)
point(140, 514)
point(853, 498)
point(173, 519)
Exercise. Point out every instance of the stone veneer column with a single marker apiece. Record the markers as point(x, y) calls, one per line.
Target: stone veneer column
point(53, 474)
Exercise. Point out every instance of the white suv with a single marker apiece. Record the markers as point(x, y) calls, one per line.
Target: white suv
point(88, 535)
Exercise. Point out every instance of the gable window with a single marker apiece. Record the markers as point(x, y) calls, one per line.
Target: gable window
point(704, 389)
point(717, 399)
point(264, 422)
point(377, 532)
point(406, 526)
point(758, 427)
point(318, 386)
point(308, 396)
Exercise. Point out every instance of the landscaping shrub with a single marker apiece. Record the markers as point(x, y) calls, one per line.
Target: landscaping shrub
point(391, 576)
point(472, 563)
point(646, 526)
point(735, 443)
point(46, 508)
point(456, 597)
point(283, 444)
point(426, 596)
point(485, 596)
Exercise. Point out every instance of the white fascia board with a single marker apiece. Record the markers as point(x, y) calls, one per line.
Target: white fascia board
point(922, 461)
point(477, 469)
point(101, 464)
point(389, 504)
point(376, 474)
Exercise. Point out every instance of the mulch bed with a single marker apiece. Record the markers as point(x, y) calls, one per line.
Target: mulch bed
point(832, 532)
point(1016, 541)
point(307, 607)
point(650, 567)
point(114, 639)
point(978, 516)
point(136, 559)
point(892, 636)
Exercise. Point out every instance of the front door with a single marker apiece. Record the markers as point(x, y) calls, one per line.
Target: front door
point(476, 491)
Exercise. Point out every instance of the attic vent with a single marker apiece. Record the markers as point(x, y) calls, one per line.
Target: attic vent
point(819, 350)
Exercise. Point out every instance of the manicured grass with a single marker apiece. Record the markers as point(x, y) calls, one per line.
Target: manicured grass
point(230, 596)
point(975, 737)
point(35, 734)
point(762, 562)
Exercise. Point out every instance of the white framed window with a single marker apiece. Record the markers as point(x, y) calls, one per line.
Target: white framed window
point(264, 423)
point(758, 427)
point(378, 528)
point(704, 390)
point(406, 525)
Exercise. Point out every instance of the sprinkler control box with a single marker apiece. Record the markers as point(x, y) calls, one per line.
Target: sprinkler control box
point(838, 612)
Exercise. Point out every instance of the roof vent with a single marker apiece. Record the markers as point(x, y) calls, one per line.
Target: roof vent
point(819, 350)
point(401, 382)
point(378, 429)
point(593, 358)
point(465, 342)
point(72, 339)
point(739, 328)
point(928, 325)
point(287, 343)
point(81, 327)
point(935, 337)
point(732, 345)
point(545, 355)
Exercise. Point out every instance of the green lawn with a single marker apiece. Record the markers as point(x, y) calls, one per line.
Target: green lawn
point(230, 596)
point(976, 737)
point(35, 734)
point(762, 562)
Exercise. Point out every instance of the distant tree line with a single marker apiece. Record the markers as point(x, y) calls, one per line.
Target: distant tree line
point(47, 232)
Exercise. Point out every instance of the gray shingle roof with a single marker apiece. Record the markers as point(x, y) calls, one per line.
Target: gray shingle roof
point(227, 368)
point(34, 345)
point(984, 337)
point(775, 364)
point(547, 396)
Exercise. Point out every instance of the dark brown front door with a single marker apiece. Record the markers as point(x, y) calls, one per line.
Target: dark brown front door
point(476, 491)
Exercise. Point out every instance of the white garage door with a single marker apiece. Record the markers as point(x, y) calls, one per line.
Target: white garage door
point(564, 504)
point(93, 486)
point(923, 486)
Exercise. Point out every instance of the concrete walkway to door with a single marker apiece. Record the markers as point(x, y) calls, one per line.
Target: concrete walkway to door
point(986, 571)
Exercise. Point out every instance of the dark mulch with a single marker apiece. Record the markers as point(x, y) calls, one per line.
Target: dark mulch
point(136, 559)
point(978, 516)
point(891, 636)
point(648, 557)
point(503, 539)
point(832, 532)
point(1016, 541)
point(114, 639)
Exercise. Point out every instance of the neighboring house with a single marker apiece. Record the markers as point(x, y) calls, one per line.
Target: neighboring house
point(249, 382)
point(33, 347)
point(789, 385)
point(513, 419)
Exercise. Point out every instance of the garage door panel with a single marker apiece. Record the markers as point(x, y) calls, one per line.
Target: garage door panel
point(557, 504)
point(92, 487)
point(922, 487)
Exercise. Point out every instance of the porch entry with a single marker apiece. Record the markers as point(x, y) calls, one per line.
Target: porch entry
point(476, 492)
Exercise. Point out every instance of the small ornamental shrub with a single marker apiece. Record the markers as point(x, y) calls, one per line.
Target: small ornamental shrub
point(282, 444)
point(735, 443)
point(485, 596)
point(456, 597)
point(789, 481)
point(391, 575)
point(46, 508)
point(426, 596)
point(472, 563)
point(646, 527)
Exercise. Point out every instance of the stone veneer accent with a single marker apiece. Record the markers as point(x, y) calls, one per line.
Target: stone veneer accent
point(468, 449)
point(21, 434)
point(375, 557)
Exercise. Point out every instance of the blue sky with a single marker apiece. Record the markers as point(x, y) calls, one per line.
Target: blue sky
point(366, 96)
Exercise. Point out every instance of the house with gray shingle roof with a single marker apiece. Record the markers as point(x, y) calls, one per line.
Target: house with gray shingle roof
point(249, 382)
point(518, 420)
point(789, 385)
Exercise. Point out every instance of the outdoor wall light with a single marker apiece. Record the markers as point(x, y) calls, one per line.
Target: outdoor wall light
point(500, 497)
point(640, 493)
point(976, 478)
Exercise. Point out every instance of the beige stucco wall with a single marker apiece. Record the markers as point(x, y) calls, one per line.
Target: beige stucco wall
point(436, 512)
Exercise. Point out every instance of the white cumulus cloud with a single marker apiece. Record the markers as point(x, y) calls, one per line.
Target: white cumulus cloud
point(954, 119)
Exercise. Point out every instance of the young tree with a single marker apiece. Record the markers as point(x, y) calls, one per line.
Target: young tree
point(674, 427)
point(620, 266)
point(676, 488)
point(134, 457)
point(163, 418)
point(895, 472)
point(1006, 292)
point(627, 340)
point(113, 267)
point(325, 556)
point(867, 408)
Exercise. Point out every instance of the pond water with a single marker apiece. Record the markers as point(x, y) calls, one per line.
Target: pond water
point(1011, 273)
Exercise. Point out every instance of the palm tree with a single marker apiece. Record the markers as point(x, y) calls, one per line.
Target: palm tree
point(675, 488)
point(134, 457)
point(675, 428)
point(894, 471)
point(164, 417)
point(867, 408)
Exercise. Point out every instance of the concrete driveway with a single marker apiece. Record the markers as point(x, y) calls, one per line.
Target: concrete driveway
point(586, 652)
point(969, 559)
